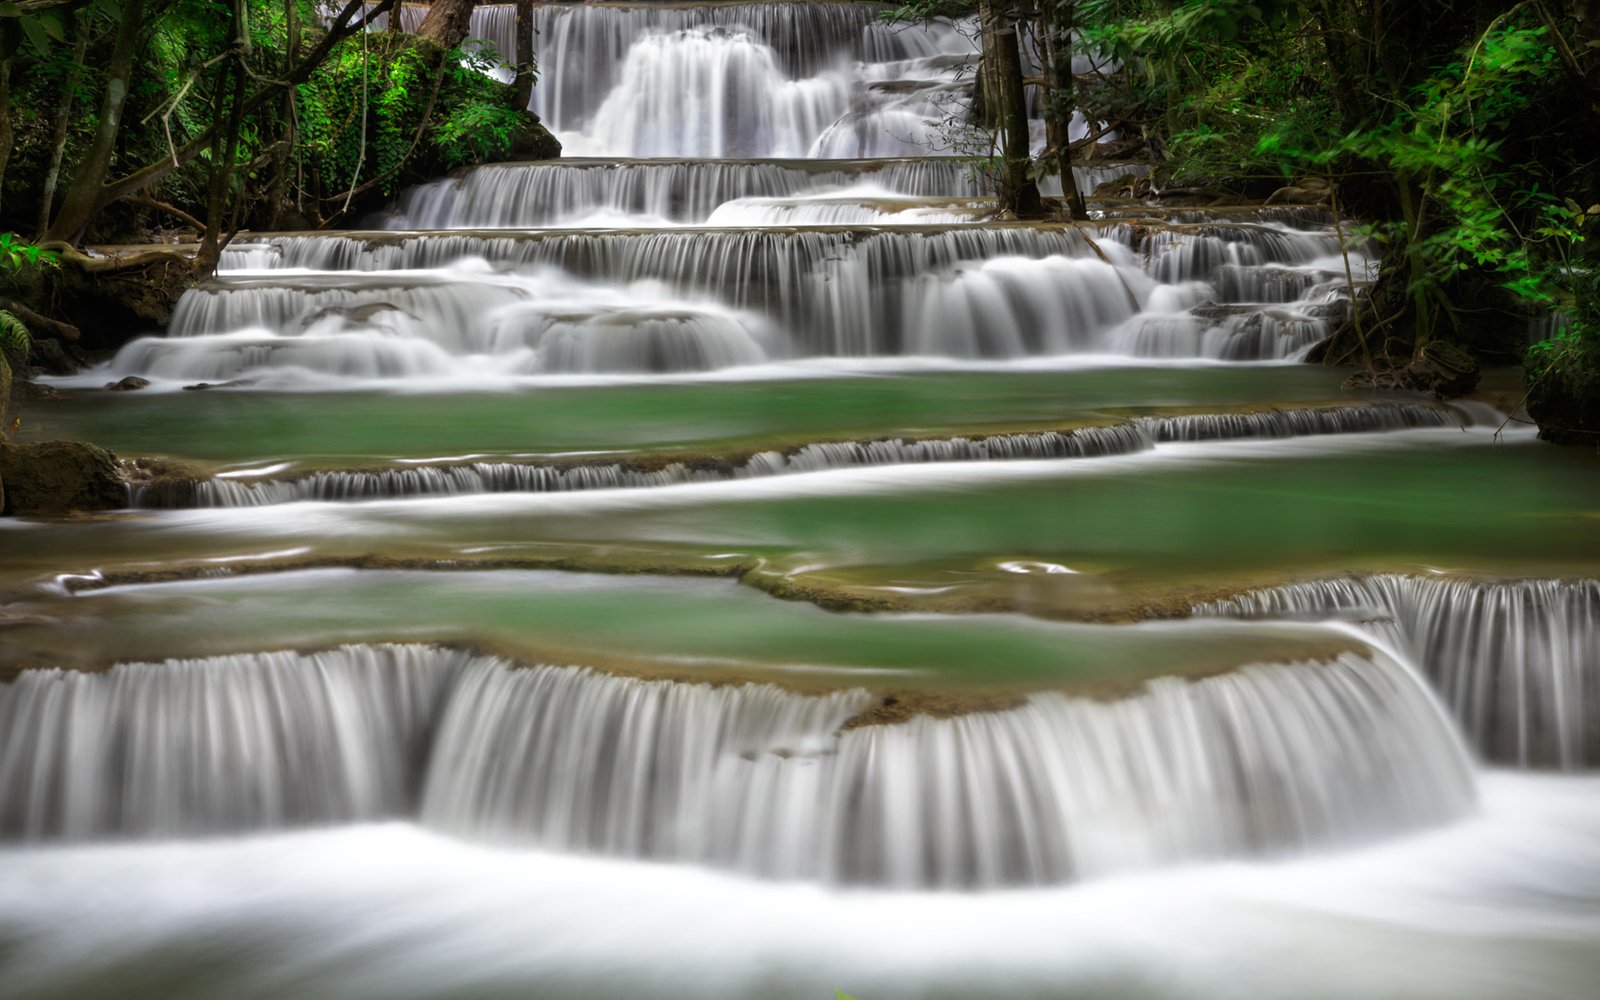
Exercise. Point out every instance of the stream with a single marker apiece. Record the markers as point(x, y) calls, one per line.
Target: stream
point(727, 563)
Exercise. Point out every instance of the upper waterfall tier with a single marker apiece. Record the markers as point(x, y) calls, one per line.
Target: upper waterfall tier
point(747, 777)
point(759, 79)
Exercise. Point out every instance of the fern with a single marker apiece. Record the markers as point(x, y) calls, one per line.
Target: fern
point(14, 344)
point(14, 340)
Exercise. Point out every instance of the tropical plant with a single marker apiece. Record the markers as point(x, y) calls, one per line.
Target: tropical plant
point(18, 254)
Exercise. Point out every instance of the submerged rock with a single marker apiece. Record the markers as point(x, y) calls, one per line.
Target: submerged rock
point(57, 477)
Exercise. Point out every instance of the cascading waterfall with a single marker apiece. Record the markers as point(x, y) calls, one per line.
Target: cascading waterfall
point(475, 305)
point(749, 777)
point(1515, 661)
point(763, 79)
point(529, 477)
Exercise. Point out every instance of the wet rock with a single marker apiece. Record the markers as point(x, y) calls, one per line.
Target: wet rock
point(128, 384)
point(58, 477)
point(1303, 191)
point(1564, 399)
point(1214, 313)
point(49, 356)
point(532, 141)
point(34, 390)
point(232, 384)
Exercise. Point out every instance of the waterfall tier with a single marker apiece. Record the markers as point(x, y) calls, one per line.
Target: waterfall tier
point(748, 777)
point(636, 193)
point(478, 306)
point(767, 79)
point(1517, 662)
point(532, 477)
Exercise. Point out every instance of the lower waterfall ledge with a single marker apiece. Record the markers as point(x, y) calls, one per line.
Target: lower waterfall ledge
point(747, 777)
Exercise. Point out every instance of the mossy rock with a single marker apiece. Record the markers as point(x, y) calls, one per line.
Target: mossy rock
point(59, 477)
point(1565, 401)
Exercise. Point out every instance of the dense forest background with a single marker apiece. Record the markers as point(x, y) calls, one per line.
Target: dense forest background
point(1460, 136)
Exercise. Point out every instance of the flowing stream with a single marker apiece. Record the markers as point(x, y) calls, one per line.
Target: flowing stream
point(730, 562)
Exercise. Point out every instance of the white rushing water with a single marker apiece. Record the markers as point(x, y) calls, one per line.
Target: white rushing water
point(331, 311)
point(1261, 761)
point(1515, 661)
point(782, 79)
point(1501, 905)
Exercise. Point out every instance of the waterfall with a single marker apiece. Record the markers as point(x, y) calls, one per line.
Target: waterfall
point(469, 305)
point(1514, 661)
point(749, 777)
point(728, 80)
point(529, 477)
point(225, 744)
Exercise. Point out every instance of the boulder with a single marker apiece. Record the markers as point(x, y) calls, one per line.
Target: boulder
point(58, 477)
point(128, 384)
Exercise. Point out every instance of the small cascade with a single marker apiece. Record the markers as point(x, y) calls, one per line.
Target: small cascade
point(463, 321)
point(748, 777)
point(633, 193)
point(576, 192)
point(225, 744)
point(1515, 661)
point(1304, 421)
point(528, 477)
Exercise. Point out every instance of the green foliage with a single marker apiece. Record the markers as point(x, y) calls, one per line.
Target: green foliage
point(35, 35)
point(1466, 205)
point(395, 81)
point(424, 111)
point(1218, 75)
point(14, 345)
point(18, 254)
point(14, 340)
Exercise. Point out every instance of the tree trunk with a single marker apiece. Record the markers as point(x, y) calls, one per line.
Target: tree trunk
point(58, 138)
point(84, 194)
point(1060, 100)
point(223, 156)
point(524, 54)
point(96, 195)
point(447, 23)
point(7, 131)
point(1018, 194)
point(277, 196)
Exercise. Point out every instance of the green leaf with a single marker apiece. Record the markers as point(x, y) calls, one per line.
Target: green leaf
point(32, 28)
point(50, 21)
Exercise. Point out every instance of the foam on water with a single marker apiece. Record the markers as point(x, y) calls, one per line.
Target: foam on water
point(1501, 905)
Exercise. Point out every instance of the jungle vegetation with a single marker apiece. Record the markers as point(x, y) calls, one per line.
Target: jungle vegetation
point(1460, 133)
